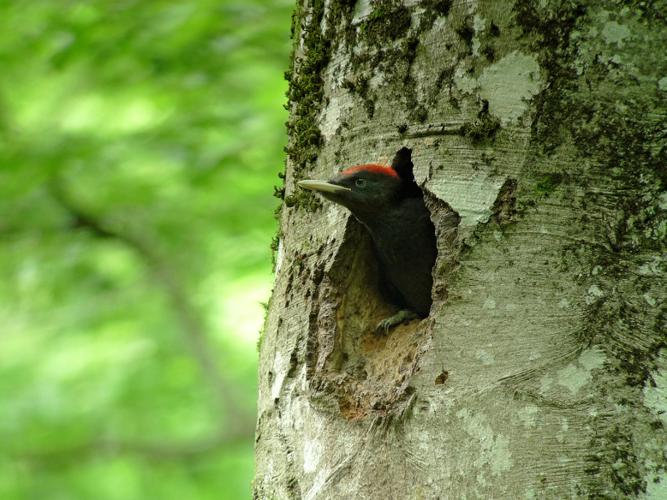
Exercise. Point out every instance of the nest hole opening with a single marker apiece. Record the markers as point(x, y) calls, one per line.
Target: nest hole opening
point(367, 373)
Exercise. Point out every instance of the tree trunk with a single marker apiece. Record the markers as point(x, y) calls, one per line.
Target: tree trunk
point(538, 129)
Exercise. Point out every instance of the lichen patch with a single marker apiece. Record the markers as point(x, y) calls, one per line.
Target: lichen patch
point(509, 84)
point(471, 195)
point(579, 373)
point(655, 395)
point(494, 448)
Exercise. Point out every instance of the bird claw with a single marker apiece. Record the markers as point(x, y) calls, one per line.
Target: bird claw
point(386, 324)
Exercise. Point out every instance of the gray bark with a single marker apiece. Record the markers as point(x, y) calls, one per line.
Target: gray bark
point(538, 128)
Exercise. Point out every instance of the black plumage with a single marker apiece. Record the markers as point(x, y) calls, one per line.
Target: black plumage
point(388, 202)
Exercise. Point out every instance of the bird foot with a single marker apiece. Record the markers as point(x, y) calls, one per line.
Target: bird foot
point(386, 324)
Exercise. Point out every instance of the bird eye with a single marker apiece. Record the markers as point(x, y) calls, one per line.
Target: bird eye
point(360, 183)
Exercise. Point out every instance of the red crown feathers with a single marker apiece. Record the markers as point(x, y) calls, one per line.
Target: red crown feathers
point(371, 167)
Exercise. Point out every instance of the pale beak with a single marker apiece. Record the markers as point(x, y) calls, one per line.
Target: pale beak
point(322, 186)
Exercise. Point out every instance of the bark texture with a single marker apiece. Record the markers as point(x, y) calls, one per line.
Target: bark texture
point(538, 136)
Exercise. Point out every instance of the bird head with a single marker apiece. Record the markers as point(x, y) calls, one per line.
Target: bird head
point(361, 189)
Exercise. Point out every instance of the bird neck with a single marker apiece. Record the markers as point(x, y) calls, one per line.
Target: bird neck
point(377, 222)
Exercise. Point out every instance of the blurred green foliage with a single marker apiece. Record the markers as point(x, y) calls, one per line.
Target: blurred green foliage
point(139, 143)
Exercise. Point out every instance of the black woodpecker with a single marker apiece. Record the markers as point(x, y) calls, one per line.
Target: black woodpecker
point(390, 205)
